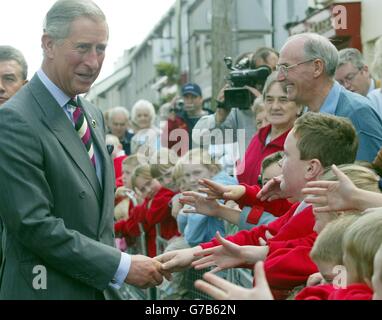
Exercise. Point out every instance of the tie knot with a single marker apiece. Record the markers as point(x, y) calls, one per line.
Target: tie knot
point(73, 102)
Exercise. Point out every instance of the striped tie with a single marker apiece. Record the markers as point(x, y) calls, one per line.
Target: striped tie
point(83, 130)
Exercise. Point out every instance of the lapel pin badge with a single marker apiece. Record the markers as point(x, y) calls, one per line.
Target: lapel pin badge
point(94, 123)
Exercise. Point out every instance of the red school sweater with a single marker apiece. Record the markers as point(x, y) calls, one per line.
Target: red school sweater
point(150, 215)
point(287, 264)
point(356, 291)
point(250, 168)
point(277, 207)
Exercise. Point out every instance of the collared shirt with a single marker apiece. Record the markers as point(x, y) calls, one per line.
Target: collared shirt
point(301, 207)
point(331, 101)
point(372, 85)
point(63, 99)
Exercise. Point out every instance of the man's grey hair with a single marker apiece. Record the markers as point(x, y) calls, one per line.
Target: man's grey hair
point(319, 47)
point(352, 55)
point(8, 53)
point(119, 110)
point(60, 16)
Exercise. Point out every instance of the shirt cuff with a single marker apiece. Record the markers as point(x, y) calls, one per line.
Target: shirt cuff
point(122, 271)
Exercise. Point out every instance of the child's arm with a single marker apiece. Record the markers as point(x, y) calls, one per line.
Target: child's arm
point(159, 208)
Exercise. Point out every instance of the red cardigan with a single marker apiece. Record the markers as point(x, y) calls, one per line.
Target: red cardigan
point(287, 264)
point(118, 170)
point(357, 291)
point(277, 207)
point(150, 215)
point(250, 168)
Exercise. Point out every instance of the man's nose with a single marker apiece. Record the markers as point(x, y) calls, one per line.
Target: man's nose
point(2, 90)
point(347, 85)
point(92, 59)
point(280, 76)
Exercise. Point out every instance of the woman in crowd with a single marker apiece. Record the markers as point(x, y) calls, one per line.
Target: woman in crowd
point(281, 115)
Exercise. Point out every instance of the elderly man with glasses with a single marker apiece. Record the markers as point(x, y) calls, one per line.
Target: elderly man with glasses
point(306, 68)
point(352, 72)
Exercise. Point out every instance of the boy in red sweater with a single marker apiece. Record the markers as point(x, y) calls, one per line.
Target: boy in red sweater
point(359, 237)
point(316, 141)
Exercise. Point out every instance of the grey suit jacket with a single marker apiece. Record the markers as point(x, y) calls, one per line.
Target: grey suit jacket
point(56, 215)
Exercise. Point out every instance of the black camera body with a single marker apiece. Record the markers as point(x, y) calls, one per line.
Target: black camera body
point(237, 96)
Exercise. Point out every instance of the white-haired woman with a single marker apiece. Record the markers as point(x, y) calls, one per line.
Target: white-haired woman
point(146, 139)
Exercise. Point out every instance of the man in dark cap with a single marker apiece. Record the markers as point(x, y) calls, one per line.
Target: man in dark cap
point(184, 120)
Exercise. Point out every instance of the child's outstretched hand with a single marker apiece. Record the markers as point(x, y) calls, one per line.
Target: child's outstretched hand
point(216, 190)
point(328, 196)
point(272, 191)
point(221, 289)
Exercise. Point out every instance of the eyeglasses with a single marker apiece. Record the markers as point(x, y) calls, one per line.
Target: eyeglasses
point(284, 69)
point(349, 78)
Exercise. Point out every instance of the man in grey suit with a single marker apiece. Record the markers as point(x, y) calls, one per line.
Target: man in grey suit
point(56, 177)
point(307, 66)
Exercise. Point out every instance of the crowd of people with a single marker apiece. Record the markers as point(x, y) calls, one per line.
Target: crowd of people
point(289, 188)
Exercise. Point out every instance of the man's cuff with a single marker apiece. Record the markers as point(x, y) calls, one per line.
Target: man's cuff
point(122, 271)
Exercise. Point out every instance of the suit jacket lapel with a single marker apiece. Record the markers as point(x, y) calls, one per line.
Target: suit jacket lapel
point(107, 171)
point(59, 124)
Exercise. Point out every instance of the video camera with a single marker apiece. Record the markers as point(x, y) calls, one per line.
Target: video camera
point(241, 75)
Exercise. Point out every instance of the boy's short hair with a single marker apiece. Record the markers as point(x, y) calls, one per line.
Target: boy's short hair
point(328, 138)
point(328, 245)
point(140, 171)
point(161, 161)
point(271, 159)
point(362, 241)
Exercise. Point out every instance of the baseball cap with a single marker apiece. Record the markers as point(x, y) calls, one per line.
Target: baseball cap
point(191, 88)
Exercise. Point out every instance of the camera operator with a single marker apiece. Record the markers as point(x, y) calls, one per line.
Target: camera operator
point(240, 116)
point(186, 112)
point(265, 56)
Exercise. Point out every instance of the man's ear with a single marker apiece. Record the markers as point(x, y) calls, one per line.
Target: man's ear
point(365, 70)
point(313, 170)
point(319, 67)
point(47, 44)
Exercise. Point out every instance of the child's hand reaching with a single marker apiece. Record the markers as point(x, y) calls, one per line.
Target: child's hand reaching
point(216, 190)
point(221, 289)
